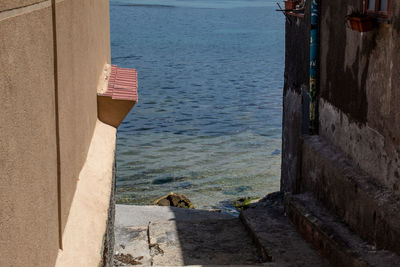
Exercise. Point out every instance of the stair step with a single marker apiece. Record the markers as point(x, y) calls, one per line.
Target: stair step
point(169, 236)
point(370, 209)
point(276, 239)
point(206, 242)
point(331, 237)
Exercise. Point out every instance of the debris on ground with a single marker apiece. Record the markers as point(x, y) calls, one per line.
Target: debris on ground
point(128, 259)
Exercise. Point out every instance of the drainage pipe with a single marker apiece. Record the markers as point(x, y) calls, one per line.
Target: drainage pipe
point(314, 66)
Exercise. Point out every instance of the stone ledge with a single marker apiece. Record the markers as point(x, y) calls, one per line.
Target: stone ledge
point(143, 215)
point(370, 209)
point(330, 237)
point(276, 239)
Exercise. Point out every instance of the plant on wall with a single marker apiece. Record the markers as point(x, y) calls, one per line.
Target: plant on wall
point(291, 4)
point(360, 21)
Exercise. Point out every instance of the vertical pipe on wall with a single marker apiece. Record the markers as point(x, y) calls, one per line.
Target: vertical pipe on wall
point(314, 66)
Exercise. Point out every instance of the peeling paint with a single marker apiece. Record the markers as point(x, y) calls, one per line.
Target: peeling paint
point(367, 147)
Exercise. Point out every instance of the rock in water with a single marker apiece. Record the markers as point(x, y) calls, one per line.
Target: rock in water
point(174, 200)
point(162, 202)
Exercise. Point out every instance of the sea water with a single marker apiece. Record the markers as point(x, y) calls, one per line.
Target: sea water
point(208, 120)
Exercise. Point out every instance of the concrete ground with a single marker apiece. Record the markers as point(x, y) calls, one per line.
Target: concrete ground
point(168, 236)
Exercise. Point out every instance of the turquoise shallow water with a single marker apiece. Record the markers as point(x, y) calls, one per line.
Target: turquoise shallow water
point(208, 121)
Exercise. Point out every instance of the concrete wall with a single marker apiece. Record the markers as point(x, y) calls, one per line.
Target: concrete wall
point(83, 49)
point(88, 238)
point(28, 157)
point(295, 101)
point(29, 211)
point(360, 91)
point(352, 167)
point(13, 4)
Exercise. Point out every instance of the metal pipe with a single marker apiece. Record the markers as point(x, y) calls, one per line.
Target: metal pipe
point(314, 66)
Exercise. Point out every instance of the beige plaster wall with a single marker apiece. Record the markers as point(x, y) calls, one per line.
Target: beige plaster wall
point(28, 158)
point(29, 222)
point(83, 46)
point(12, 4)
point(87, 221)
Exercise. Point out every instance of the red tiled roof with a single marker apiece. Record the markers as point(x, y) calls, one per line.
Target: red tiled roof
point(122, 84)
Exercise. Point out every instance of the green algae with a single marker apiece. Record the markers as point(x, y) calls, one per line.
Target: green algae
point(244, 202)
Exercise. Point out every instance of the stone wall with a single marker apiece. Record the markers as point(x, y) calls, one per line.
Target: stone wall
point(295, 100)
point(107, 250)
point(359, 111)
point(360, 91)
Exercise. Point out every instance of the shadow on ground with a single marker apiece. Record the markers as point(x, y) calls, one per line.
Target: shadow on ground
point(169, 236)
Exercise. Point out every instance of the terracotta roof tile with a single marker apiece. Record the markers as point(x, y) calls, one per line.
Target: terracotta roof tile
point(122, 84)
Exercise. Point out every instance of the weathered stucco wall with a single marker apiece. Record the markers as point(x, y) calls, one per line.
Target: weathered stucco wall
point(12, 4)
point(294, 94)
point(30, 225)
point(352, 167)
point(28, 157)
point(360, 91)
point(83, 46)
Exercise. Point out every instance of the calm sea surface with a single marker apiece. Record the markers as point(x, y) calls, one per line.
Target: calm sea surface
point(208, 121)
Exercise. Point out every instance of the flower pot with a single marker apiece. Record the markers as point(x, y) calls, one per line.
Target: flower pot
point(290, 5)
point(361, 24)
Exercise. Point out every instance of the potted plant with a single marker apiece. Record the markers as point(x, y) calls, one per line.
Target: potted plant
point(359, 21)
point(290, 4)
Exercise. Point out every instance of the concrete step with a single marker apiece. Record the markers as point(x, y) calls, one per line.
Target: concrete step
point(331, 238)
point(132, 246)
point(205, 242)
point(276, 239)
point(370, 210)
point(168, 236)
